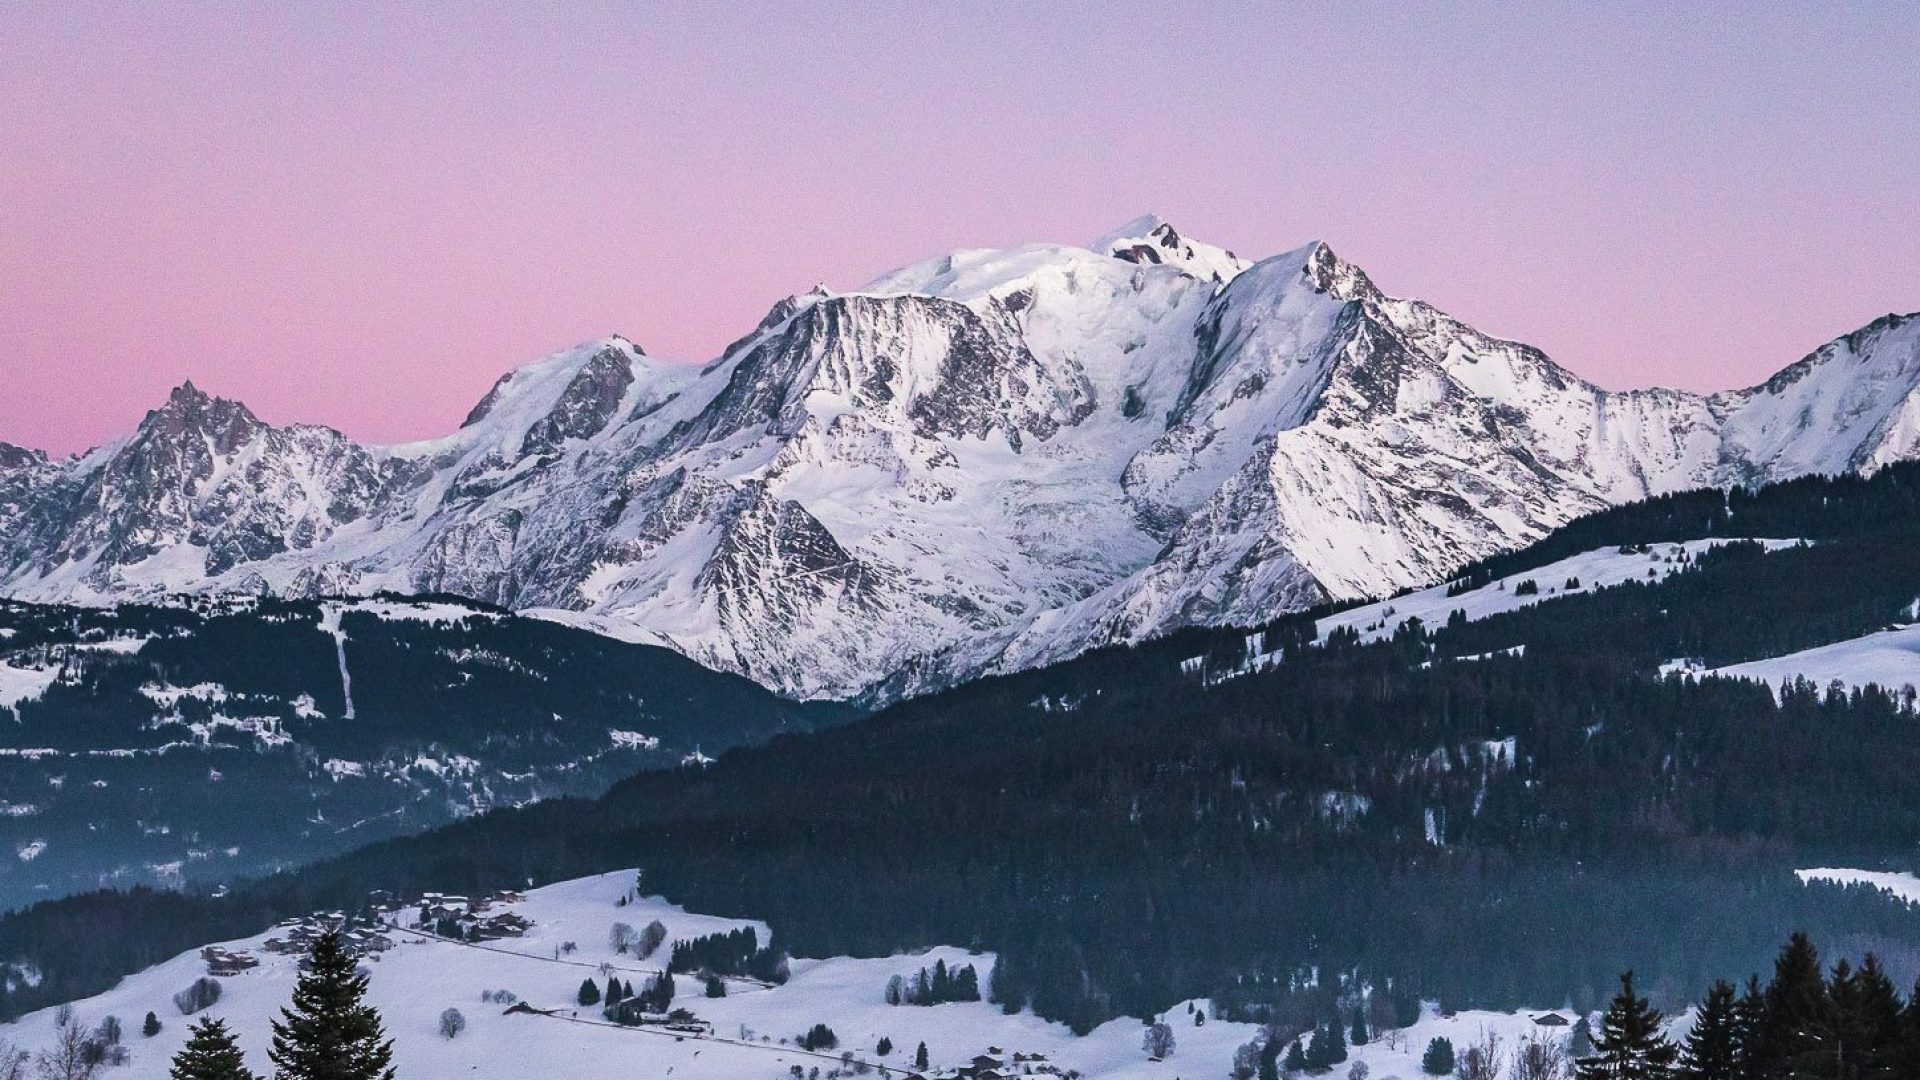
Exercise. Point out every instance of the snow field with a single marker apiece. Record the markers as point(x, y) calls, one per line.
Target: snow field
point(421, 976)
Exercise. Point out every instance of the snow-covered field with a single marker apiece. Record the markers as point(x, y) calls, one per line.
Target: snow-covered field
point(419, 978)
point(1598, 569)
point(1577, 574)
point(24, 684)
point(1901, 886)
point(1888, 658)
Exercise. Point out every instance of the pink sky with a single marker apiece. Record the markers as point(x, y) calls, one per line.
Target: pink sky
point(363, 219)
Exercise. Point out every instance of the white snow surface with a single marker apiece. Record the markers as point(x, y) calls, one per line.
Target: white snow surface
point(415, 981)
point(1901, 886)
point(1598, 569)
point(24, 684)
point(1889, 659)
point(977, 463)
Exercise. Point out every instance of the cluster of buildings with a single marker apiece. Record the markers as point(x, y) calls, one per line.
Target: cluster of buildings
point(468, 919)
point(358, 937)
point(997, 1064)
point(364, 935)
point(224, 962)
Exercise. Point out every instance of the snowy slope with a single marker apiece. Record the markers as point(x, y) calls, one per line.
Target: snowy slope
point(1889, 659)
point(979, 462)
point(1599, 569)
point(1902, 886)
point(754, 1028)
point(1586, 572)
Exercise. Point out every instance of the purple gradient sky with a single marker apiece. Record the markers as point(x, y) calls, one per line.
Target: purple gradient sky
point(363, 219)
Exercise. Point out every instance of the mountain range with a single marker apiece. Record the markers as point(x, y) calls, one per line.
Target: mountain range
point(979, 463)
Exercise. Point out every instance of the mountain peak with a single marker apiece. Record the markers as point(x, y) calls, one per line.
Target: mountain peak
point(1134, 229)
point(19, 457)
point(191, 409)
point(1151, 241)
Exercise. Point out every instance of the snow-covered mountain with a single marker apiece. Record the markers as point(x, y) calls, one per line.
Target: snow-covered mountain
point(980, 462)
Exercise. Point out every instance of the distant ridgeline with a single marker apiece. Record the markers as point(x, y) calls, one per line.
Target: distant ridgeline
point(163, 745)
point(1435, 814)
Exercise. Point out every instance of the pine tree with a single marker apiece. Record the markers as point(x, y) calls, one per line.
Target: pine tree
point(1438, 1060)
point(1866, 1021)
point(1581, 1044)
point(1296, 1058)
point(1004, 987)
point(1712, 1050)
point(1336, 1043)
point(1319, 1051)
point(151, 1026)
point(1907, 1047)
point(1749, 1020)
point(330, 1032)
point(210, 1054)
point(1794, 1026)
point(663, 991)
point(1360, 1035)
point(1632, 1044)
point(920, 1058)
point(1270, 1058)
point(589, 993)
point(613, 990)
point(883, 1047)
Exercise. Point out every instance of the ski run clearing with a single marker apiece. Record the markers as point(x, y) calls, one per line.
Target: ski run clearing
point(414, 982)
point(1575, 575)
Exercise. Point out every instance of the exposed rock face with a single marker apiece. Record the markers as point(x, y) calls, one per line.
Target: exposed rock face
point(988, 460)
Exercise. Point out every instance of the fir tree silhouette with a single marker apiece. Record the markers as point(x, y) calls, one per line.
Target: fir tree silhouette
point(210, 1054)
point(330, 1032)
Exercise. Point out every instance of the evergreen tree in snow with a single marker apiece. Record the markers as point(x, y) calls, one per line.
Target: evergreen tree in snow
point(1794, 1033)
point(1907, 1046)
point(1438, 1059)
point(1865, 1025)
point(663, 992)
point(1712, 1048)
point(151, 1026)
point(920, 1058)
point(1749, 1020)
point(330, 1032)
point(1632, 1044)
point(589, 993)
point(210, 1054)
point(1296, 1058)
point(1359, 1035)
point(1580, 1043)
point(1268, 1065)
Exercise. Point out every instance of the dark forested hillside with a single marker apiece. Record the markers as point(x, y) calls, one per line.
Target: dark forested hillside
point(1130, 828)
point(198, 743)
point(1812, 507)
